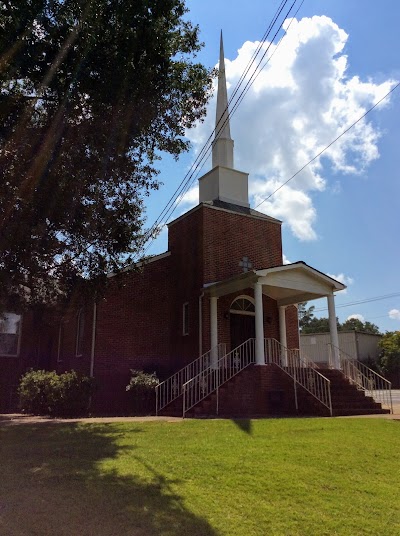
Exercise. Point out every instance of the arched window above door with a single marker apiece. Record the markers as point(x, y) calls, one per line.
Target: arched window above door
point(243, 305)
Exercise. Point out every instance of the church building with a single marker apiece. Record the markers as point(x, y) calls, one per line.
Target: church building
point(218, 308)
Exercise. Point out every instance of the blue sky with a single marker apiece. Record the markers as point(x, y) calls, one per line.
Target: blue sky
point(343, 216)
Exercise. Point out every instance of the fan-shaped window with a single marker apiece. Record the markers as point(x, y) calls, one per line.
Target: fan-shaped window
point(243, 305)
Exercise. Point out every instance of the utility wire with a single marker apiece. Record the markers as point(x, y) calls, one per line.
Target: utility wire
point(360, 302)
point(202, 156)
point(330, 145)
point(204, 153)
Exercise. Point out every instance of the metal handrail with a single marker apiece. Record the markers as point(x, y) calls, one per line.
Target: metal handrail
point(208, 381)
point(170, 389)
point(366, 379)
point(302, 370)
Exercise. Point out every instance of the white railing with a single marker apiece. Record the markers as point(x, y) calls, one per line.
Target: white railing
point(302, 370)
point(206, 382)
point(170, 389)
point(366, 379)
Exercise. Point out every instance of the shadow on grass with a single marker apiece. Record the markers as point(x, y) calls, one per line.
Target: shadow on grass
point(245, 425)
point(61, 479)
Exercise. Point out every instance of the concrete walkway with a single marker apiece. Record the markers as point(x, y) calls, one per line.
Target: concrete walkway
point(8, 419)
point(20, 418)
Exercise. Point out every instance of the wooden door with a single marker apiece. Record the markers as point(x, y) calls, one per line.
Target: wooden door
point(242, 328)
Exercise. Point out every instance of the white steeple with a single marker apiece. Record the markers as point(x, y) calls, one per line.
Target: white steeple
point(223, 183)
point(222, 149)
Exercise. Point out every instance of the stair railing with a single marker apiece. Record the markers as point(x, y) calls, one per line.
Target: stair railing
point(366, 379)
point(170, 389)
point(302, 370)
point(209, 380)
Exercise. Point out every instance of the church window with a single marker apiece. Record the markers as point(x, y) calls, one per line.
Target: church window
point(243, 305)
point(185, 319)
point(10, 331)
point(80, 328)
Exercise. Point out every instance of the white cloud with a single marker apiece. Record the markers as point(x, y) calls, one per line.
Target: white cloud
point(190, 199)
point(394, 314)
point(286, 260)
point(342, 278)
point(298, 104)
point(357, 317)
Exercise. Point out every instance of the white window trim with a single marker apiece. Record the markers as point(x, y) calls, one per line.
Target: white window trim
point(18, 342)
point(239, 311)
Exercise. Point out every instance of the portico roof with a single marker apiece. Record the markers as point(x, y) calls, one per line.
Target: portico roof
point(287, 284)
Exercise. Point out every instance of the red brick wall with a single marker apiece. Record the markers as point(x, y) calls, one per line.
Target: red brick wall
point(132, 332)
point(185, 242)
point(256, 391)
point(206, 246)
point(67, 358)
point(292, 327)
point(37, 339)
point(228, 237)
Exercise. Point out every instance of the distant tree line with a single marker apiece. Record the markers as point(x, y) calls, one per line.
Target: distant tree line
point(308, 323)
point(389, 344)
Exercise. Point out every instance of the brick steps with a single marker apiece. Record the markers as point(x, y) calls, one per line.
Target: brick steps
point(347, 399)
point(174, 409)
point(268, 391)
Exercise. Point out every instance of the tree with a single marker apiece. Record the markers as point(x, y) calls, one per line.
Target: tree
point(316, 325)
point(91, 93)
point(309, 324)
point(305, 314)
point(390, 351)
point(354, 324)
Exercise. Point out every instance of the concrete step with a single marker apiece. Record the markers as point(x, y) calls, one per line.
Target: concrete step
point(358, 411)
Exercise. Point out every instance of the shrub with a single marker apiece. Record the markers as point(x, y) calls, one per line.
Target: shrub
point(72, 395)
point(142, 386)
point(35, 391)
point(60, 395)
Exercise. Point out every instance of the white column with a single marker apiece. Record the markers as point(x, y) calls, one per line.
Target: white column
point(260, 358)
point(214, 329)
point(333, 331)
point(282, 334)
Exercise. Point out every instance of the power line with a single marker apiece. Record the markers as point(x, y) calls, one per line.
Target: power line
point(201, 158)
point(360, 302)
point(331, 143)
point(199, 162)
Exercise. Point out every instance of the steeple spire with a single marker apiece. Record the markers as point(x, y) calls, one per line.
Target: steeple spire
point(223, 184)
point(222, 150)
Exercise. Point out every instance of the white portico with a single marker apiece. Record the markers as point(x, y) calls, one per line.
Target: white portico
point(288, 284)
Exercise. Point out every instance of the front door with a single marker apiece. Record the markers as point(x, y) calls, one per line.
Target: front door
point(242, 328)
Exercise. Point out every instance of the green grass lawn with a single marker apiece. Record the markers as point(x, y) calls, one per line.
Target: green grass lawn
point(218, 477)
